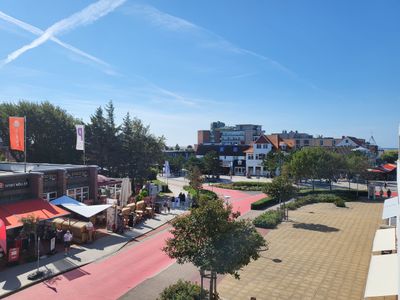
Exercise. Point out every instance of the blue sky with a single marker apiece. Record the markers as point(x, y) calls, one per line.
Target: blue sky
point(322, 67)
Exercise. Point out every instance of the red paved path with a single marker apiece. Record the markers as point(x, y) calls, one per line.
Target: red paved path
point(113, 277)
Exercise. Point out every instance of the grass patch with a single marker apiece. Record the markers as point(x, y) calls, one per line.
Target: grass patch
point(164, 186)
point(269, 219)
point(203, 192)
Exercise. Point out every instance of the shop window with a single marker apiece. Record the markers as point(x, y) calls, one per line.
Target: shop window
point(80, 194)
point(49, 196)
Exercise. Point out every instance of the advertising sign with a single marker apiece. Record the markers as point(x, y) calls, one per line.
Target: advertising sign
point(13, 254)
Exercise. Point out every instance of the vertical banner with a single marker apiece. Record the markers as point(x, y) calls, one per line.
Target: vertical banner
point(3, 236)
point(17, 133)
point(167, 169)
point(80, 137)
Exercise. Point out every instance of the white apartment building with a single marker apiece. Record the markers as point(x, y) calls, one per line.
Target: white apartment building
point(255, 156)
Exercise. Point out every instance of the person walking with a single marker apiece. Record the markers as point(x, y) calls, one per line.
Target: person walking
point(389, 193)
point(183, 200)
point(381, 193)
point(385, 184)
point(67, 242)
point(165, 205)
point(169, 202)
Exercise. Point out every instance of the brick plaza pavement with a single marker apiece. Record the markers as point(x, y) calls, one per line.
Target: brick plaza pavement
point(324, 253)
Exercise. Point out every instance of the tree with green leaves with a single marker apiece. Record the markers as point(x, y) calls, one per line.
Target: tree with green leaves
point(390, 156)
point(140, 150)
point(176, 163)
point(50, 132)
point(274, 161)
point(212, 165)
point(193, 161)
point(280, 188)
point(214, 241)
point(356, 164)
point(195, 179)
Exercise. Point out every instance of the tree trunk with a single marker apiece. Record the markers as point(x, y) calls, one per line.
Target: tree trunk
point(201, 285)
point(211, 296)
point(330, 185)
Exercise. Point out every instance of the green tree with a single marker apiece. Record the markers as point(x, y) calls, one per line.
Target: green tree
point(280, 188)
point(193, 161)
point(140, 150)
point(96, 137)
point(390, 156)
point(50, 132)
point(274, 161)
point(315, 163)
point(212, 164)
point(356, 164)
point(211, 239)
point(195, 181)
point(176, 163)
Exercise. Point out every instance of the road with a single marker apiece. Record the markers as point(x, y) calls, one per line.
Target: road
point(116, 275)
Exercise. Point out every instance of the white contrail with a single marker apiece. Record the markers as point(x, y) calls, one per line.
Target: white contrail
point(35, 30)
point(86, 16)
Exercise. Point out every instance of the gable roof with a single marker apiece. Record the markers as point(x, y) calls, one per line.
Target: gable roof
point(262, 139)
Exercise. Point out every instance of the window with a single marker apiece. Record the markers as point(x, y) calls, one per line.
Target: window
point(250, 156)
point(258, 146)
point(265, 146)
point(81, 194)
point(49, 196)
point(297, 142)
point(321, 142)
point(221, 149)
point(347, 141)
point(306, 142)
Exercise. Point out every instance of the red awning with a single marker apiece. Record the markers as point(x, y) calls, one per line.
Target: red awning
point(12, 213)
point(389, 167)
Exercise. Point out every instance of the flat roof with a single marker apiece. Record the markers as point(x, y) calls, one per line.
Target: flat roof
point(385, 240)
point(34, 167)
point(383, 276)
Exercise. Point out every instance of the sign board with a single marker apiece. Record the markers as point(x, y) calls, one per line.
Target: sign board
point(14, 185)
point(13, 254)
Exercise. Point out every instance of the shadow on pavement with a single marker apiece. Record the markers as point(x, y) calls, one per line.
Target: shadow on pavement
point(315, 227)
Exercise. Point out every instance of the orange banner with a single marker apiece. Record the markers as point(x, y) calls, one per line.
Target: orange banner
point(17, 135)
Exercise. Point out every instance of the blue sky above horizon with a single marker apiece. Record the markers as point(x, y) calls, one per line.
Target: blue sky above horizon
point(321, 67)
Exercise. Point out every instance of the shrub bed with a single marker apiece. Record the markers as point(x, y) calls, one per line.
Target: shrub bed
point(182, 290)
point(264, 203)
point(242, 186)
point(316, 198)
point(269, 219)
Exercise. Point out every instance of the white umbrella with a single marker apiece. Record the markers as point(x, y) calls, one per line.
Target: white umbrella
point(126, 191)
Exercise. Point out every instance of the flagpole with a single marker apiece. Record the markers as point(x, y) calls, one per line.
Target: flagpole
point(25, 142)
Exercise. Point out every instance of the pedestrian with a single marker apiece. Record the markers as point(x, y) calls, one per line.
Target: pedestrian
point(169, 204)
point(178, 202)
point(165, 205)
point(59, 234)
point(385, 184)
point(67, 242)
point(389, 193)
point(183, 200)
point(381, 193)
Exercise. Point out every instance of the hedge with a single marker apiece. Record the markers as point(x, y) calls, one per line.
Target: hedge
point(242, 186)
point(269, 219)
point(316, 198)
point(348, 195)
point(264, 203)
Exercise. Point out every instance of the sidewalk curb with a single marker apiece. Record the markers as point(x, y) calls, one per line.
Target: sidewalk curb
point(82, 265)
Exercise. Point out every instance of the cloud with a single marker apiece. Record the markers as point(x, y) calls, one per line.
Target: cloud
point(86, 16)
